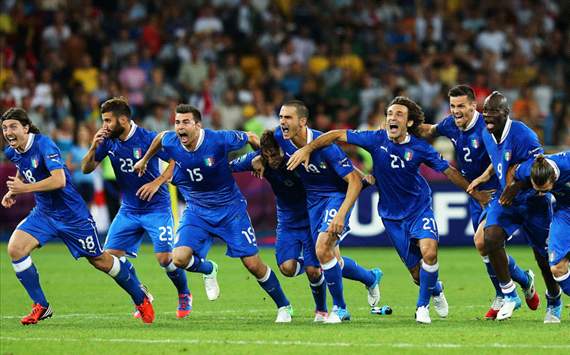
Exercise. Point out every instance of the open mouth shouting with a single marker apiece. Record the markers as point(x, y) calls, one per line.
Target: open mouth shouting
point(184, 138)
point(12, 141)
point(285, 130)
point(393, 129)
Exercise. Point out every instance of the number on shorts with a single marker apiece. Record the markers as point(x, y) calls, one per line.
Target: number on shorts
point(249, 235)
point(329, 215)
point(88, 243)
point(429, 224)
point(165, 230)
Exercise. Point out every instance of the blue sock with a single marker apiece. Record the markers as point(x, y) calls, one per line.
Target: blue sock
point(492, 276)
point(351, 270)
point(333, 277)
point(132, 270)
point(437, 289)
point(428, 281)
point(319, 291)
point(271, 285)
point(121, 272)
point(564, 282)
point(518, 274)
point(553, 301)
point(178, 277)
point(28, 275)
point(509, 289)
point(199, 265)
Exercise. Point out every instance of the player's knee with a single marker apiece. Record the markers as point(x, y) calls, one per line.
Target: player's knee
point(99, 263)
point(163, 258)
point(480, 245)
point(493, 239)
point(181, 261)
point(288, 268)
point(254, 265)
point(313, 273)
point(430, 257)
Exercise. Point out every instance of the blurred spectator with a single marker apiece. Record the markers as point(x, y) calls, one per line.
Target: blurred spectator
point(83, 182)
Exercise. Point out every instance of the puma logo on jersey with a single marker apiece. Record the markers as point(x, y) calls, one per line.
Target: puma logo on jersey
point(384, 148)
point(111, 153)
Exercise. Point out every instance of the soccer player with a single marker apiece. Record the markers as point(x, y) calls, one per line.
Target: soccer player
point(60, 212)
point(214, 204)
point(465, 127)
point(294, 247)
point(508, 143)
point(551, 173)
point(332, 186)
point(125, 143)
point(405, 197)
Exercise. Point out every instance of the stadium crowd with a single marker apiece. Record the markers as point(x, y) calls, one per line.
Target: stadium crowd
point(238, 60)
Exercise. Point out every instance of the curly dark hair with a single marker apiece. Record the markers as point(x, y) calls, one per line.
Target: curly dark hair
point(415, 112)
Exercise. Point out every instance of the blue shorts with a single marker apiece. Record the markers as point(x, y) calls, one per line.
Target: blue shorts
point(128, 228)
point(232, 225)
point(559, 239)
point(322, 210)
point(405, 233)
point(80, 237)
point(295, 242)
point(476, 213)
point(531, 219)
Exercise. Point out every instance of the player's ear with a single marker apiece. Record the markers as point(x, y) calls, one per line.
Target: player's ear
point(410, 123)
point(303, 121)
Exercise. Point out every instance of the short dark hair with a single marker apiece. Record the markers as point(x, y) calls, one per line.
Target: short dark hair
point(187, 108)
point(300, 107)
point(268, 141)
point(541, 171)
point(415, 112)
point(20, 115)
point(462, 90)
point(118, 106)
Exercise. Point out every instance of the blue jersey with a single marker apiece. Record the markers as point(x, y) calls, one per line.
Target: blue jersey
point(203, 175)
point(470, 152)
point(41, 156)
point(561, 164)
point(518, 143)
point(403, 191)
point(327, 166)
point(124, 155)
point(288, 190)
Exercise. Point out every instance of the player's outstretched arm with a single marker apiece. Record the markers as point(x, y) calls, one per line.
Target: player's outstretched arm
point(481, 179)
point(354, 186)
point(155, 146)
point(483, 197)
point(147, 191)
point(513, 187)
point(304, 154)
point(55, 181)
point(88, 163)
point(253, 140)
point(427, 131)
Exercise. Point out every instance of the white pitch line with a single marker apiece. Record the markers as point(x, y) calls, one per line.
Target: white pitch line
point(288, 343)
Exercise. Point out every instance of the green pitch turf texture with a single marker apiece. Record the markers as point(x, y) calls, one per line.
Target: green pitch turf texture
point(92, 315)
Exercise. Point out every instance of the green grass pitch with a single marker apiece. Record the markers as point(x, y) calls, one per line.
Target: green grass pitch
point(92, 315)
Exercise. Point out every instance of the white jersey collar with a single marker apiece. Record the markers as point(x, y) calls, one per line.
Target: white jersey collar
point(473, 121)
point(406, 140)
point(198, 144)
point(132, 131)
point(506, 130)
point(309, 137)
point(29, 143)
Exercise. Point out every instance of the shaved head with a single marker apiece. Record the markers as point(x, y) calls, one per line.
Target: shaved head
point(496, 112)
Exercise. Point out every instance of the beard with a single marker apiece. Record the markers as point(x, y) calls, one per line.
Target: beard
point(116, 133)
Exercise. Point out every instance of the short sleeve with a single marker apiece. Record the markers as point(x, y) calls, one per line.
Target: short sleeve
point(234, 140)
point(434, 160)
point(243, 163)
point(51, 155)
point(522, 172)
point(443, 128)
point(365, 139)
point(101, 151)
point(338, 160)
point(526, 147)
